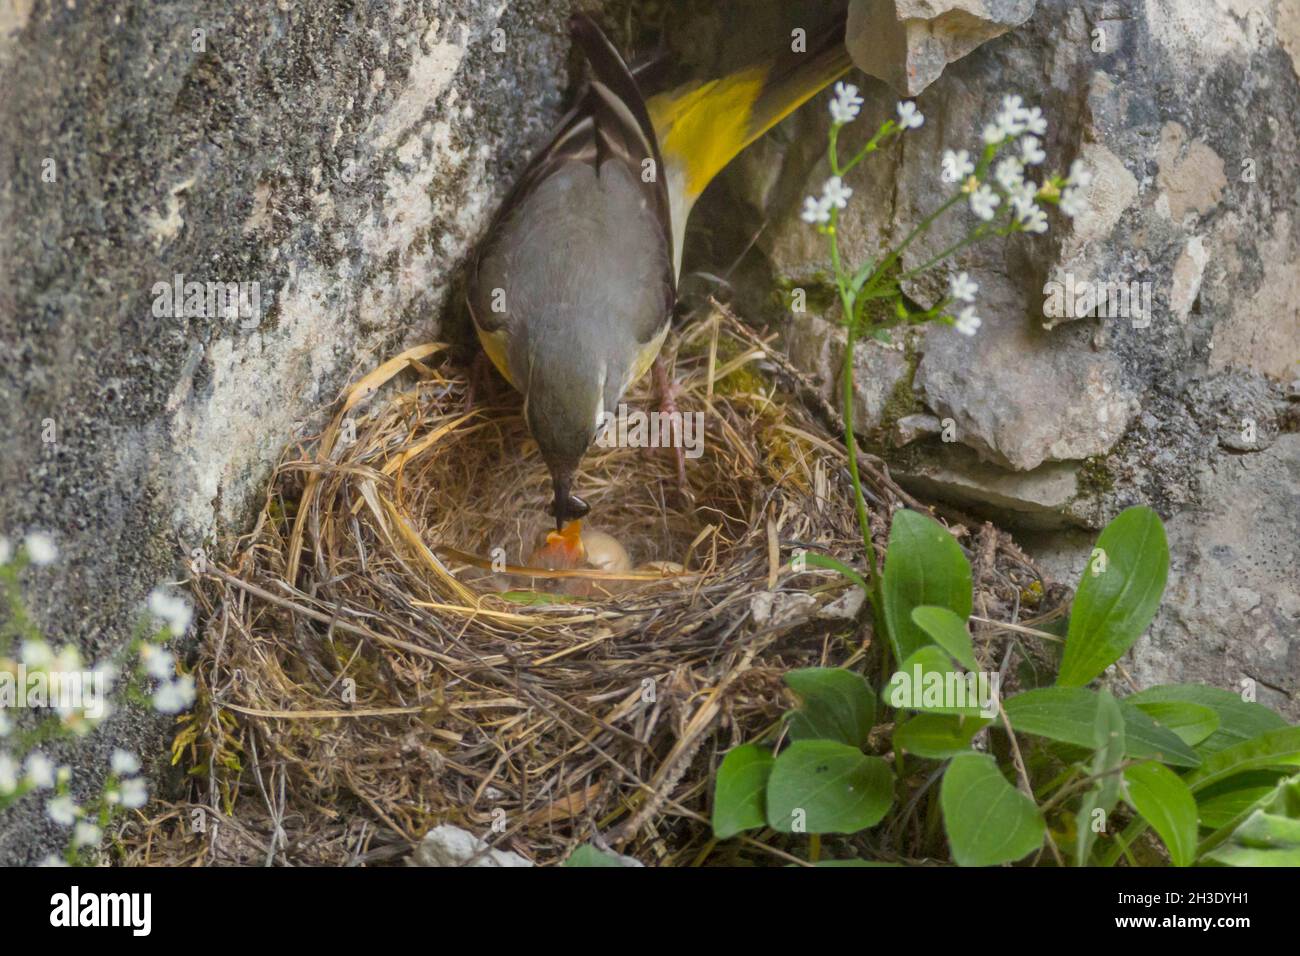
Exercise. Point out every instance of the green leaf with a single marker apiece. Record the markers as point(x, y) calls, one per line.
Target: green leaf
point(1101, 797)
point(937, 736)
point(949, 632)
point(988, 821)
point(1232, 800)
point(1114, 606)
point(1068, 714)
point(1277, 748)
point(738, 791)
point(1165, 802)
point(1274, 749)
point(1191, 722)
point(1238, 719)
point(924, 566)
point(1270, 835)
point(823, 786)
point(588, 855)
point(836, 705)
point(927, 681)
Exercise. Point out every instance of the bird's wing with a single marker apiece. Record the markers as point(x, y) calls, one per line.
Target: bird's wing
point(609, 124)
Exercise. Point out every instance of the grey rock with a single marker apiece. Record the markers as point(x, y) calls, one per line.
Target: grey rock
point(910, 428)
point(1231, 611)
point(1036, 499)
point(907, 43)
point(449, 845)
point(1184, 112)
point(343, 156)
point(879, 371)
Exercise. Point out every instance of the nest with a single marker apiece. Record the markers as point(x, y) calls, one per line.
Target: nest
point(380, 658)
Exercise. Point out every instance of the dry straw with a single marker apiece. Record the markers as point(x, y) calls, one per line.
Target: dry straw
point(366, 674)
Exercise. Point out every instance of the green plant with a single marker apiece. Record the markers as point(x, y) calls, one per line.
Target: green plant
point(1205, 769)
point(1047, 773)
point(48, 695)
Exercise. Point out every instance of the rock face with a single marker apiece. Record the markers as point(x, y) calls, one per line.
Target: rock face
point(1187, 112)
point(908, 43)
point(1232, 606)
point(337, 159)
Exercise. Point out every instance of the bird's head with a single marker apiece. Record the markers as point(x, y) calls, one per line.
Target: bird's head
point(564, 415)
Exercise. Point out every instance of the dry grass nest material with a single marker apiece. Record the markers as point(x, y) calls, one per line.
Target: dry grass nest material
point(366, 675)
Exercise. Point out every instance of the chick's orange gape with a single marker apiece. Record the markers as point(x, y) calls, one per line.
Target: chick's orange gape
point(561, 551)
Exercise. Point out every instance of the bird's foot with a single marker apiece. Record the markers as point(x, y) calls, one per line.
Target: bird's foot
point(667, 390)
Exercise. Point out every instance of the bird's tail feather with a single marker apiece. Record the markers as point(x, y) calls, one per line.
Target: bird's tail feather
point(703, 126)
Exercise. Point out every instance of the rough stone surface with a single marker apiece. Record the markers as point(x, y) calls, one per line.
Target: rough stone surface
point(343, 156)
point(1033, 499)
point(448, 845)
point(908, 43)
point(1232, 607)
point(1231, 610)
point(1187, 114)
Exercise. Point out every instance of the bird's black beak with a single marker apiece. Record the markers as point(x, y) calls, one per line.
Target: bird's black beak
point(566, 507)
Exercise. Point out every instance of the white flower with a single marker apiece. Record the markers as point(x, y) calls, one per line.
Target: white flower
point(6, 550)
point(847, 104)
point(1034, 121)
point(963, 287)
point(1011, 118)
point(124, 763)
point(8, 774)
point(992, 134)
point(835, 193)
point(956, 166)
point(172, 610)
point(815, 211)
point(1032, 219)
point(1080, 175)
point(1072, 204)
point(1009, 173)
point(40, 548)
point(52, 860)
point(1023, 197)
point(967, 322)
point(908, 115)
point(134, 793)
point(1030, 152)
point(40, 770)
point(174, 696)
point(158, 661)
point(36, 655)
point(983, 201)
point(86, 834)
point(61, 810)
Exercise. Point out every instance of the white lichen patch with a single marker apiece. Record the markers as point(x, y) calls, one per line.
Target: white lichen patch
point(265, 385)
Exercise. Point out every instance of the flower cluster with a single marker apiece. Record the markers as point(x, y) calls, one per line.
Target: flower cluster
point(173, 693)
point(55, 679)
point(995, 183)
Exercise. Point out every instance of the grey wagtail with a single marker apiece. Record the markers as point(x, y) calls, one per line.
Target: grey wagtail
point(573, 287)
